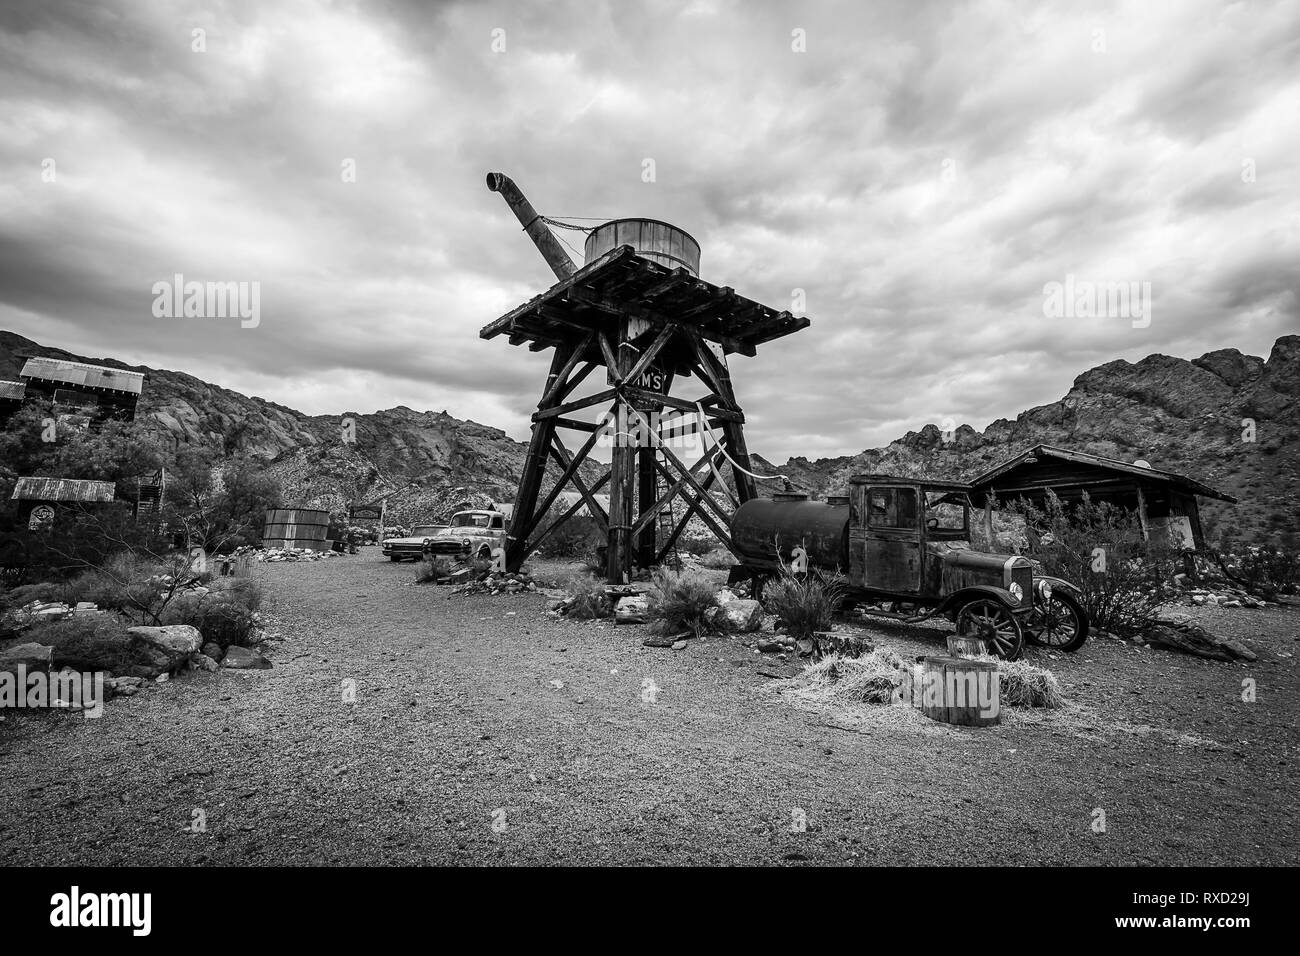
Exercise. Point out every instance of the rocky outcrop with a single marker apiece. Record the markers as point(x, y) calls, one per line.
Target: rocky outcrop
point(162, 650)
point(1180, 415)
point(31, 657)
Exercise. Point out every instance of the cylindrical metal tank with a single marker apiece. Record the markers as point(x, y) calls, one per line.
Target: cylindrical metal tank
point(820, 527)
point(658, 241)
point(296, 528)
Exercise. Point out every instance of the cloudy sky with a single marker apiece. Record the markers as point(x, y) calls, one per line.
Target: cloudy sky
point(920, 171)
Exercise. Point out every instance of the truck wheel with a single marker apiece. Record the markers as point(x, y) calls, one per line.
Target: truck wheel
point(1061, 624)
point(484, 553)
point(993, 623)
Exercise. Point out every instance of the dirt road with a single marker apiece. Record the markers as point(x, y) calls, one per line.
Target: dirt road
point(484, 732)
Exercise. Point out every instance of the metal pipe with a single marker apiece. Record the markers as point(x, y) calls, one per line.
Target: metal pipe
point(542, 237)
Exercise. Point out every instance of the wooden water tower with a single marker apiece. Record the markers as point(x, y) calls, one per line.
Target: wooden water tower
point(638, 310)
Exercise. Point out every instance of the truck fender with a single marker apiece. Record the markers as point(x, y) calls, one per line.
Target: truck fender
point(983, 591)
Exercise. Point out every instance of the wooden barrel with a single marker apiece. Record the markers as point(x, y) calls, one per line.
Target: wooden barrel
point(652, 239)
point(296, 528)
point(955, 690)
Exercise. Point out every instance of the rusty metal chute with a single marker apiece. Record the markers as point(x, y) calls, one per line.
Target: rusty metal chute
point(533, 224)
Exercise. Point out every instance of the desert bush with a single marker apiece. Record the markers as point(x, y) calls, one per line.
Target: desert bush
point(718, 559)
point(578, 537)
point(25, 594)
point(697, 546)
point(873, 678)
point(1100, 547)
point(93, 642)
point(804, 604)
point(220, 619)
point(588, 598)
point(243, 591)
point(678, 602)
point(1267, 570)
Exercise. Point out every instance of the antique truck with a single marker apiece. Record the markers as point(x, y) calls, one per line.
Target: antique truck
point(903, 544)
point(472, 534)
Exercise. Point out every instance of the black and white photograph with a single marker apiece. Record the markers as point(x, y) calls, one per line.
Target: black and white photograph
point(693, 434)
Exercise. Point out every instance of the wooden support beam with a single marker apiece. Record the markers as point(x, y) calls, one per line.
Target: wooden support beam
point(567, 470)
point(561, 454)
point(647, 516)
point(561, 379)
point(572, 509)
point(681, 467)
point(611, 361)
point(652, 351)
point(672, 401)
point(530, 481)
point(576, 425)
point(718, 527)
point(556, 410)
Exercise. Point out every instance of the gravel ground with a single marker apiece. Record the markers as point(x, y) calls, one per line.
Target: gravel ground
point(485, 732)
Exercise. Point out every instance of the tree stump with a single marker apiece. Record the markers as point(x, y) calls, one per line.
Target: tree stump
point(960, 645)
point(955, 690)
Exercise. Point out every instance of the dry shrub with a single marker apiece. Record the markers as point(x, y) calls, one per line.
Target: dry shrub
point(588, 600)
point(719, 559)
point(1069, 542)
point(679, 601)
point(92, 642)
point(804, 604)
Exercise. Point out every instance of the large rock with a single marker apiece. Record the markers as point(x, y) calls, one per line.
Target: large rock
point(740, 615)
point(213, 651)
point(1177, 633)
point(631, 610)
point(241, 658)
point(31, 656)
point(161, 650)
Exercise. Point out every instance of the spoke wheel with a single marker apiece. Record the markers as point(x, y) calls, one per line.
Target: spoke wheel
point(1060, 624)
point(994, 624)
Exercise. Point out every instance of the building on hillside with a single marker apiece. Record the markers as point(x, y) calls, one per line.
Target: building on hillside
point(11, 398)
point(95, 392)
point(39, 499)
point(1166, 502)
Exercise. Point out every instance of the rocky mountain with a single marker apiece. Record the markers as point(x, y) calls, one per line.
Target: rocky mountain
point(1179, 415)
point(426, 456)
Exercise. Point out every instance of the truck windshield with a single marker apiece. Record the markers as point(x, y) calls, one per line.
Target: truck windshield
point(469, 521)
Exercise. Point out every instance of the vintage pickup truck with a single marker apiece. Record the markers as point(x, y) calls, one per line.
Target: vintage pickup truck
point(904, 546)
point(471, 534)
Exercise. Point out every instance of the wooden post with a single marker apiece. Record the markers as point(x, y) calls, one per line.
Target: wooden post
point(1142, 513)
point(530, 482)
point(958, 691)
point(622, 468)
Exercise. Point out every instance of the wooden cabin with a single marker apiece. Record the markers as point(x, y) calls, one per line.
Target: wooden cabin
point(78, 389)
point(42, 497)
point(1166, 502)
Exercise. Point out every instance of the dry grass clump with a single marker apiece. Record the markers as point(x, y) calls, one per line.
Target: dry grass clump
point(678, 602)
point(588, 599)
point(836, 680)
point(1024, 685)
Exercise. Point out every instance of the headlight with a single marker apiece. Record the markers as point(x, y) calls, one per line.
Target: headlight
point(465, 543)
point(1044, 590)
point(1017, 591)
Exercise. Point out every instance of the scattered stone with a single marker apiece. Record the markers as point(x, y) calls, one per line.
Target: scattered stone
point(123, 686)
point(770, 645)
point(205, 663)
point(679, 645)
point(243, 658)
point(213, 651)
point(631, 610)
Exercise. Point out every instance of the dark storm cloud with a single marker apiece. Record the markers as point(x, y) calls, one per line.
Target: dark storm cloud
point(920, 173)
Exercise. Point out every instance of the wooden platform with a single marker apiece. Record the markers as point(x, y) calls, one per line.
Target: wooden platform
point(622, 284)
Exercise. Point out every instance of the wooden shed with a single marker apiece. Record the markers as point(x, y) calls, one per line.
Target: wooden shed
point(43, 495)
point(1166, 502)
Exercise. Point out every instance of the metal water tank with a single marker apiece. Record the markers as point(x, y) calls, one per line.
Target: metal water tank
point(658, 241)
point(822, 528)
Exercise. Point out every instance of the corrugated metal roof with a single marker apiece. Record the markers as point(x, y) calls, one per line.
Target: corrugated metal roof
point(63, 489)
point(13, 390)
point(1113, 464)
point(79, 373)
